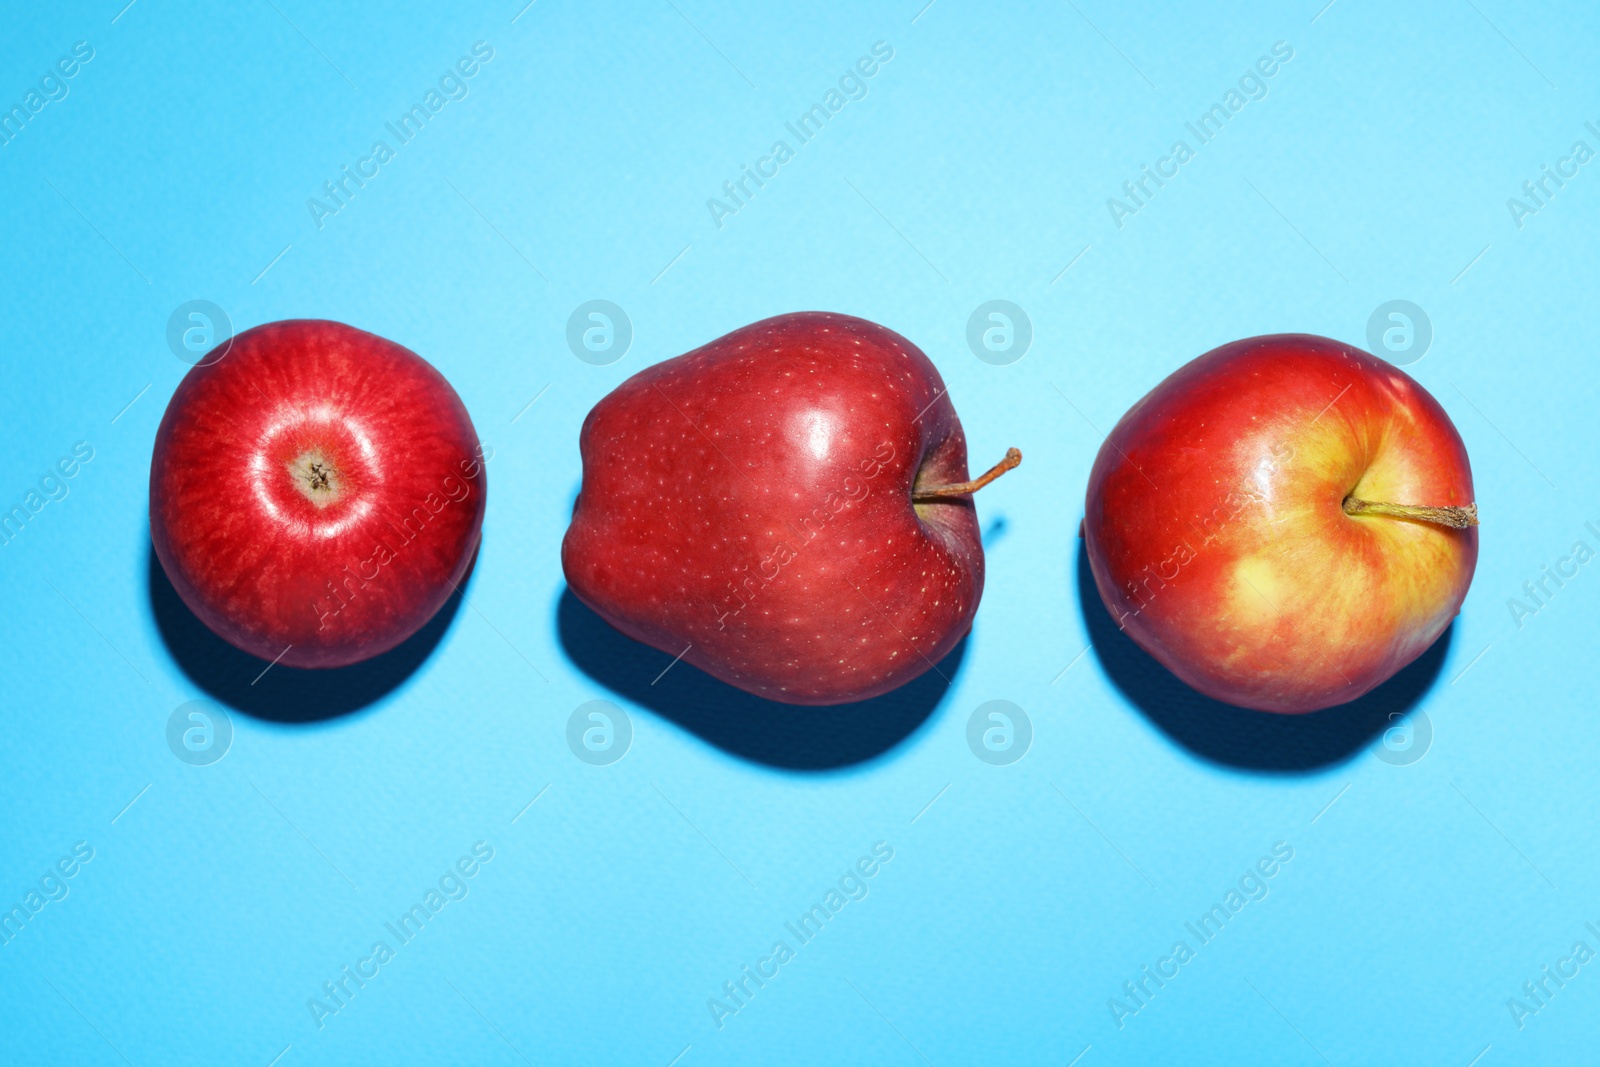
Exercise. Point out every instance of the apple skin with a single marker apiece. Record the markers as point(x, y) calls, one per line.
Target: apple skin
point(750, 502)
point(337, 564)
point(1216, 533)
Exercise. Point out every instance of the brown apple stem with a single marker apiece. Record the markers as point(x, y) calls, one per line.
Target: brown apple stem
point(950, 492)
point(1456, 517)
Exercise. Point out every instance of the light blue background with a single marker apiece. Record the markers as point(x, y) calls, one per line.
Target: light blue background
point(977, 167)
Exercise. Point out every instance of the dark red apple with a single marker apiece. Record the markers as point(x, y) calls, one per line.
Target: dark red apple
point(1284, 522)
point(787, 508)
point(316, 492)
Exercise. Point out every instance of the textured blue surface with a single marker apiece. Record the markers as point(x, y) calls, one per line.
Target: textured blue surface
point(576, 164)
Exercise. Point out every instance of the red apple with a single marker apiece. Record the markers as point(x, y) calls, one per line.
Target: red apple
point(1284, 522)
point(316, 492)
point(787, 508)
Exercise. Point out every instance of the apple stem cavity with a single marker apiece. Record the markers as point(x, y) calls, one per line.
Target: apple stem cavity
point(949, 492)
point(1458, 518)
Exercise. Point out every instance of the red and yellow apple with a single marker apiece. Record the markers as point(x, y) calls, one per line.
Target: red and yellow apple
point(1284, 522)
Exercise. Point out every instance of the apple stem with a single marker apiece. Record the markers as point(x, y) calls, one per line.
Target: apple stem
point(1455, 517)
point(950, 492)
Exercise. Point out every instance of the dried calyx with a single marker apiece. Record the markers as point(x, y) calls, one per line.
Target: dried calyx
point(317, 479)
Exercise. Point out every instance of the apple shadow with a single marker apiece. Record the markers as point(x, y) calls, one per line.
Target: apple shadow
point(286, 695)
point(1239, 737)
point(785, 736)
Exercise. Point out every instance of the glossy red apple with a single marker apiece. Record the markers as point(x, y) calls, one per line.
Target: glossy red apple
point(1284, 522)
point(787, 508)
point(316, 493)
